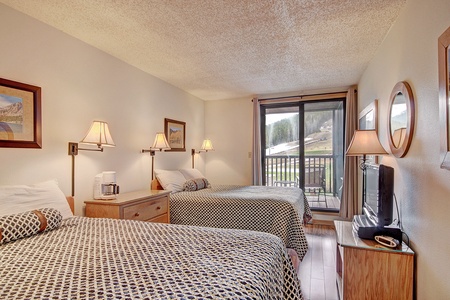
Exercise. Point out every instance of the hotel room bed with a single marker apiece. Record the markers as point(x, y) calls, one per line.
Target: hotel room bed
point(281, 211)
point(46, 253)
point(276, 210)
point(121, 259)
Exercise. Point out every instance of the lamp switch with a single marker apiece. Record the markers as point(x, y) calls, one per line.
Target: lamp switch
point(73, 148)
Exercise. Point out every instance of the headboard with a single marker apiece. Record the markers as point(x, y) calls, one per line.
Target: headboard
point(155, 185)
point(71, 202)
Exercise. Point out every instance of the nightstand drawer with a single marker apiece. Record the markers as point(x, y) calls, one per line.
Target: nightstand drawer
point(160, 219)
point(143, 205)
point(146, 210)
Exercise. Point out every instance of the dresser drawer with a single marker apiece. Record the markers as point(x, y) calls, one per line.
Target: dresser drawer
point(146, 210)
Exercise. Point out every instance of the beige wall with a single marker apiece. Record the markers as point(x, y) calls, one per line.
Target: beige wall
point(409, 53)
point(229, 126)
point(81, 84)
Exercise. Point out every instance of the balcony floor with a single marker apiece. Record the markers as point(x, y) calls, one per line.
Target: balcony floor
point(331, 202)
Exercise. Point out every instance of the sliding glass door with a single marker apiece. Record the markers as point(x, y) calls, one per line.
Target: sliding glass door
point(280, 144)
point(303, 146)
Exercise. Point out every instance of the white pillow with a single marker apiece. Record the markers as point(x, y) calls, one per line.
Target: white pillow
point(171, 180)
point(159, 171)
point(191, 174)
point(16, 199)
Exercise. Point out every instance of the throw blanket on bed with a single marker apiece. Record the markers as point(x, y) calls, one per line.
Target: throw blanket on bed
point(276, 210)
point(120, 259)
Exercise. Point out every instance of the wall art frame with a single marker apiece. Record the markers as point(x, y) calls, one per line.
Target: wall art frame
point(444, 97)
point(368, 120)
point(175, 132)
point(20, 115)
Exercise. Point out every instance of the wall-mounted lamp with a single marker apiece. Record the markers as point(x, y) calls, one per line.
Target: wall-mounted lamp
point(206, 146)
point(365, 142)
point(160, 144)
point(98, 135)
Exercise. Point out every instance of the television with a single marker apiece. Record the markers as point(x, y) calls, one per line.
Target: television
point(379, 194)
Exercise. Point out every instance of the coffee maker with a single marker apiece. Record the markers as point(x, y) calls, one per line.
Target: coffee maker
point(105, 186)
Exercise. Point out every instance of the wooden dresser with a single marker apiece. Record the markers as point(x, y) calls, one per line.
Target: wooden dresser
point(145, 205)
point(367, 270)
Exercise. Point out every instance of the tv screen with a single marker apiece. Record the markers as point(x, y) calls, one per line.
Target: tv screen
point(379, 194)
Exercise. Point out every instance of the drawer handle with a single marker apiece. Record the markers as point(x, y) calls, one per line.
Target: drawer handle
point(158, 208)
point(136, 214)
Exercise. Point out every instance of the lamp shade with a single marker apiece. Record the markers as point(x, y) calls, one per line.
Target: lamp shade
point(99, 135)
point(365, 142)
point(160, 142)
point(207, 146)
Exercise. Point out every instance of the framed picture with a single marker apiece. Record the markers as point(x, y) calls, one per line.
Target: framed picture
point(20, 115)
point(444, 96)
point(368, 120)
point(175, 132)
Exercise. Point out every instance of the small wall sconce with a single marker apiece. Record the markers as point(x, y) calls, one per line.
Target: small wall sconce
point(98, 135)
point(206, 146)
point(160, 144)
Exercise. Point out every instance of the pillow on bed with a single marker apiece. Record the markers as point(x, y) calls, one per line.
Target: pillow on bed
point(195, 184)
point(191, 173)
point(17, 226)
point(160, 171)
point(16, 199)
point(171, 180)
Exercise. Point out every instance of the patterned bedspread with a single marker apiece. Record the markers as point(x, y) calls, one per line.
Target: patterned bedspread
point(117, 259)
point(276, 210)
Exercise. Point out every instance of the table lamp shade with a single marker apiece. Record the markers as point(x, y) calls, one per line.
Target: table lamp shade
point(365, 142)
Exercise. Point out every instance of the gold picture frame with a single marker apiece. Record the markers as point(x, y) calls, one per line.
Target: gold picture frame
point(20, 115)
point(175, 132)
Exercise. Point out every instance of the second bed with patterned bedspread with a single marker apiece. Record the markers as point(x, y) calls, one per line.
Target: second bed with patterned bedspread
point(276, 210)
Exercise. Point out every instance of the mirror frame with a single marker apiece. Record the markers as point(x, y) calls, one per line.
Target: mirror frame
point(444, 101)
point(404, 88)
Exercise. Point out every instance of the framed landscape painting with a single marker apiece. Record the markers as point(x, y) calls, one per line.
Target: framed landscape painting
point(20, 115)
point(175, 132)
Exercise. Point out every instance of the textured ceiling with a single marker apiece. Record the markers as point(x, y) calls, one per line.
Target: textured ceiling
point(224, 49)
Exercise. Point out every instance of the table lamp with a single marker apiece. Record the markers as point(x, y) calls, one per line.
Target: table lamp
point(365, 142)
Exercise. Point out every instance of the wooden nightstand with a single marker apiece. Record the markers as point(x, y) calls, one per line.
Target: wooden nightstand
point(366, 270)
point(145, 205)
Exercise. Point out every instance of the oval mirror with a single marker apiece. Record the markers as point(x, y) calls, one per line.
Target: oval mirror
point(401, 119)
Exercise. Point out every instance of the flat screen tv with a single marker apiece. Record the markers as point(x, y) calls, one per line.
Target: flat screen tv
point(379, 194)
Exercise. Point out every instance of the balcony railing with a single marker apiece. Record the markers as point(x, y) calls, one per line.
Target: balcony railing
point(285, 171)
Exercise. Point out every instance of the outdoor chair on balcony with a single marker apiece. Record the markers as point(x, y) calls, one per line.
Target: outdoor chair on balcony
point(315, 182)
